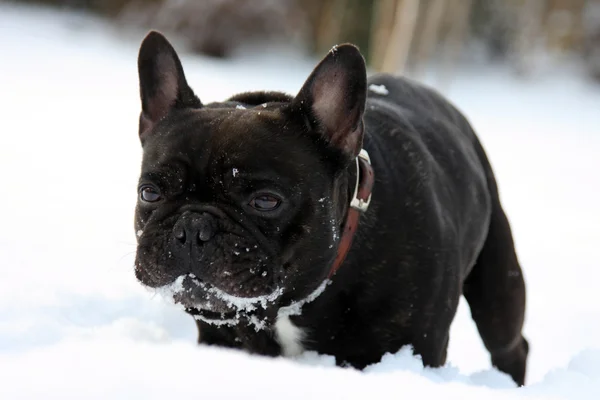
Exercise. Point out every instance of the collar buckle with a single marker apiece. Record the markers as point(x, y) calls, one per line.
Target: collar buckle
point(361, 204)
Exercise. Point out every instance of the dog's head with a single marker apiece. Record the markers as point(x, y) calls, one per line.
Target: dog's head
point(241, 203)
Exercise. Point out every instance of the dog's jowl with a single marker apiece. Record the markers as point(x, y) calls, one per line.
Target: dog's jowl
point(346, 220)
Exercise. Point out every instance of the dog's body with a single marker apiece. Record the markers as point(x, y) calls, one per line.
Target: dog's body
point(256, 277)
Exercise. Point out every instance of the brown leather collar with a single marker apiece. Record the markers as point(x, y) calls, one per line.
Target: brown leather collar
point(361, 199)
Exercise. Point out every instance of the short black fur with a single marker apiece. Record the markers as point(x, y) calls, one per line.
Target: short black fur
point(435, 229)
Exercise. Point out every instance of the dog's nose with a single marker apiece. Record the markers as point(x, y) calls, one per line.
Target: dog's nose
point(199, 227)
point(205, 227)
point(179, 232)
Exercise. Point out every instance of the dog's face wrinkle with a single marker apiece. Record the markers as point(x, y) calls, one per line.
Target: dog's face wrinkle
point(208, 157)
point(230, 247)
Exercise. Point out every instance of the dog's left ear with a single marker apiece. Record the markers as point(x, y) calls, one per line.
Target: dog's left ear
point(333, 99)
point(163, 86)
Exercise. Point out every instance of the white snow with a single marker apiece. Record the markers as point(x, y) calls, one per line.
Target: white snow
point(170, 290)
point(75, 324)
point(245, 303)
point(296, 308)
point(379, 89)
point(289, 336)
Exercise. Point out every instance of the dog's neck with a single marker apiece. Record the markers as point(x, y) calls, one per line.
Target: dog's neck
point(362, 178)
point(359, 203)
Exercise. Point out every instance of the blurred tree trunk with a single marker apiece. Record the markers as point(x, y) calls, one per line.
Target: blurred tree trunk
point(399, 45)
point(382, 24)
point(530, 20)
point(330, 17)
point(339, 21)
point(457, 37)
point(395, 35)
point(428, 39)
point(564, 23)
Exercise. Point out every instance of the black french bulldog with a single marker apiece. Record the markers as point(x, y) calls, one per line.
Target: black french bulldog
point(247, 209)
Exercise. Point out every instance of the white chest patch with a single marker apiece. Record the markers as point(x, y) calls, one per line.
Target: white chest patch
point(289, 336)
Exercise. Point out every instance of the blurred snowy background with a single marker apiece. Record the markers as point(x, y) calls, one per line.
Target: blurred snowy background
point(394, 35)
point(74, 323)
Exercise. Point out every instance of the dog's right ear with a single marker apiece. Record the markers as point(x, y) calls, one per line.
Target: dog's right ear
point(162, 83)
point(332, 100)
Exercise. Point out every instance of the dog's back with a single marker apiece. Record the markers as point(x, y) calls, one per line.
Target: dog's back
point(432, 156)
point(273, 174)
point(444, 232)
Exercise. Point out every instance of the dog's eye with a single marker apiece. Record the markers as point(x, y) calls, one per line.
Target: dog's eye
point(149, 194)
point(265, 202)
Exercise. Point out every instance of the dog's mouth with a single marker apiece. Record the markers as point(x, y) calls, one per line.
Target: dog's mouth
point(206, 315)
point(208, 302)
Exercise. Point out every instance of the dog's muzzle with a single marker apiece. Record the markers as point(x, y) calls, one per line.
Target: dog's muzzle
point(192, 230)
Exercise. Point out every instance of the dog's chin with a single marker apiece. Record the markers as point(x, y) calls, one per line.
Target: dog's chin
point(200, 300)
point(211, 303)
point(212, 316)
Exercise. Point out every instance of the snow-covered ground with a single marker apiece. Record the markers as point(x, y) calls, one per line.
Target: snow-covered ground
point(74, 323)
